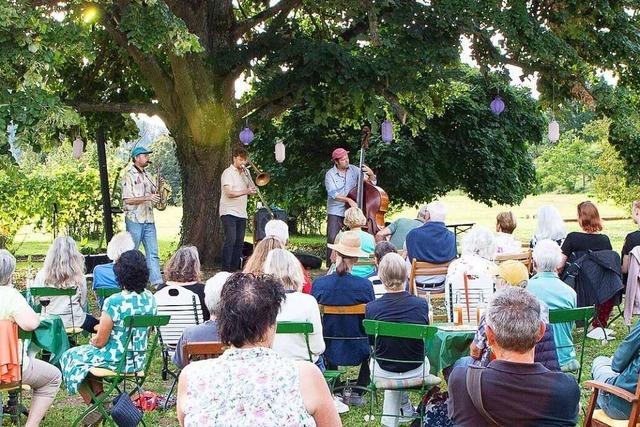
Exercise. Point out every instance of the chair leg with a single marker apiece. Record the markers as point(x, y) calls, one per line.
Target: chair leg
point(173, 385)
point(592, 405)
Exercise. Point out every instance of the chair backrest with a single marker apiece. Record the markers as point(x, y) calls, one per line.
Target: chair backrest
point(44, 292)
point(424, 268)
point(378, 329)
point(107, 292)
point(366, 261)
point(201, 350)
point(184, 308)
point(474, 293)
point(571, 315)
point(524, 257)
point(304, 328)
point(342, 309)
point(132, 323)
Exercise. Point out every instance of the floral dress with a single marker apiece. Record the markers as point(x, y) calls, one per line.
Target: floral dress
point(245, 387)
point(77, 361)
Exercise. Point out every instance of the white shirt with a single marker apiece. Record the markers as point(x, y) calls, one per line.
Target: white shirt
point(507, 244)
point(299, 307)
point(234, 180)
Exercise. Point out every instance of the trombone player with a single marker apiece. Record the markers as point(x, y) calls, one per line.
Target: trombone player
point(235, 187)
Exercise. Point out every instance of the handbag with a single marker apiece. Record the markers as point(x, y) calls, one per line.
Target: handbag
point(124, 411)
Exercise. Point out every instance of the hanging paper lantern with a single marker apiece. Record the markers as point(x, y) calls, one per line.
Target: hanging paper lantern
point(78, 148)
point(497, 105)
point(554, 131)
point(280, 152)
point(246, 136)
point(386, 130)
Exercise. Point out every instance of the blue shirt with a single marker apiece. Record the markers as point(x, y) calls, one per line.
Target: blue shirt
point(626, 361)
point(548, 288)
point(431, 242)
point(104, 277)
point(368, 245)
point(339, 184)
point(344, 290)
point(399, 307)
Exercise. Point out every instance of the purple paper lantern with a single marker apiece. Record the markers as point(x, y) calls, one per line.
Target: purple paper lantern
point(246, 136)
point(497, 105)
point(386, 131)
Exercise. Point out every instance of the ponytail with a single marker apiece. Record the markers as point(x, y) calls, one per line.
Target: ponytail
point(345, 264)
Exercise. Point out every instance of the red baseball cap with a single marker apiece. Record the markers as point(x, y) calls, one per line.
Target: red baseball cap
point(338, 153)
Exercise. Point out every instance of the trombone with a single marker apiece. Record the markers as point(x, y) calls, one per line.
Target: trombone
point(262, 179)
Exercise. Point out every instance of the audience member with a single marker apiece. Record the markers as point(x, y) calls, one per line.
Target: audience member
point(397, 231)
point(343, 288)
point(513, 389)
point(43, 378)
point(256, 260)
point(64, 268)
point(250, 383)
point(280, 230)
point(296, 307)
point(107, 348)
point(506, 243)
point(622, 371)
point(382, 248)
point(207, 331)
point(397, 305)
point(478, 250)
point(432, 242)
point(183, 269)
point(550, 226)
point(631, 240)
point(103, 275)
point(548, 288)
point(354, 219)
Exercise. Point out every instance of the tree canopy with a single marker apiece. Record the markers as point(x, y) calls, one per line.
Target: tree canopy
point(180, 59)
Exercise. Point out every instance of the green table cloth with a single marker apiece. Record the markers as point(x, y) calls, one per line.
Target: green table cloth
point(447, 346)
point(51, 336)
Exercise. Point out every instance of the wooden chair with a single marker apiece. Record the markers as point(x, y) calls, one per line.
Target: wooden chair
point(342, 309)
point(524, 257)
point(194, 351)
point(597, 417)
point(424, 268)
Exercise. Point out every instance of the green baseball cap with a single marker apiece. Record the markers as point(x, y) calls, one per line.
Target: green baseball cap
point(139, 150)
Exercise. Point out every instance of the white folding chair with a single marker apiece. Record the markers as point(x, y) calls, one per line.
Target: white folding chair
point(472, 293)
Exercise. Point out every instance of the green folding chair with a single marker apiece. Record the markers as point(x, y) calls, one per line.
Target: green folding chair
point(306, 328)
point(105, 293)
point(379, 329)
point(47, 292)
point(582, 314)
point(17, 387)
point(115, 381)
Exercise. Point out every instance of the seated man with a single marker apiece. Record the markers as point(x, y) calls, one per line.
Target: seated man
point(432, 242)
point(207, 331)
point(548, 288)
point(103, 275)
point(513, 389)
point(622, 371)
point(397, 231)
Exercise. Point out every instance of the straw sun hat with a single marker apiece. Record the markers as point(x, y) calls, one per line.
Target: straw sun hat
point(349, 245)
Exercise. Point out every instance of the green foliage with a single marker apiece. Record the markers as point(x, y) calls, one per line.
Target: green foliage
point(164, 158)
point(14, 199)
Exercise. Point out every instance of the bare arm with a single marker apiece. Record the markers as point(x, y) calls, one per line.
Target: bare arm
point(104, 331)
point(316, 396)
point(382, 234)
point(238, 193)
point(27, 319)
point(182, 393)
point(142, 199)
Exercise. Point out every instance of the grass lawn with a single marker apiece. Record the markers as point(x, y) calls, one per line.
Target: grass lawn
point(460, 210)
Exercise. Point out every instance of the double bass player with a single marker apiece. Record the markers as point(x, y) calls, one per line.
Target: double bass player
point(339, 181)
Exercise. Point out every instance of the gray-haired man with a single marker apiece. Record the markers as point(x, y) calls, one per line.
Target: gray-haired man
point(512, 389)
point(399, 228)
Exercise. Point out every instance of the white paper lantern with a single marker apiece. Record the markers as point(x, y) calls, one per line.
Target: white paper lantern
point(554, 131)
point(78, 148)
point(280, 152)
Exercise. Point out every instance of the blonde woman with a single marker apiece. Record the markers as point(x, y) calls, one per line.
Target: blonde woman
point(354, 219)
point(505, 241)
point(63, 269)
point(256, 261)
point(183, 269)
point(297, 307)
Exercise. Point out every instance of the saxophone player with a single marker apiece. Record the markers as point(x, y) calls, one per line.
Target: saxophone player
point(235, 187)
point(139, 193)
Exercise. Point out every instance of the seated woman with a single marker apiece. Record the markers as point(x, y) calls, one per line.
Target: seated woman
point(106, 348)
point(631, 240)
point(43, 378)
point(506, 243)
point(397, 305)
point(550, 226)
point(589, 239)
point(103, 275)
point(296, 307)
point(256, 260)
point(354, 219)
point(183, 269)
point(207, 331)
point(250, 384)
point(343, 288)
point(64, 268)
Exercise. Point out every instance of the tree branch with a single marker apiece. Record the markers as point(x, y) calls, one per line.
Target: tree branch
point(392, 98)
point(283, 7)
point(271, 109)
point(116, 107)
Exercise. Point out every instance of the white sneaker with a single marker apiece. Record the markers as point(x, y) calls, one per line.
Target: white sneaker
point(340, 407)
point(599, 334)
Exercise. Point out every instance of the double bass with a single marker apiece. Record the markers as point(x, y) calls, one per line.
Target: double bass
point(371, 199)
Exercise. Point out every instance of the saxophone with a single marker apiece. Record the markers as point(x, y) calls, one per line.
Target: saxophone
point(163, 189)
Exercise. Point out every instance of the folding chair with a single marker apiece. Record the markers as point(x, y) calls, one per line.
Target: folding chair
point(524, 257)
point(303, 328)
point(472, 296)
point(423, 268)
point(17, 387)
point(598, 418)
point(46, 292)
point(583, 314)
point(379, 329)
point(104, 293)
point(184, 308)
point(116, 381)
point(332, 376)
point(194, 351)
